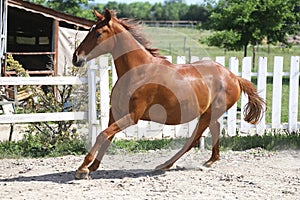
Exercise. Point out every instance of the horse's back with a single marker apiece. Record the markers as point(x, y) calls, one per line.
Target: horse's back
point(222, 84)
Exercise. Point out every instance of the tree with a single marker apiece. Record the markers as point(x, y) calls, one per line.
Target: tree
point(42, 2)
point(72, 7)
point(174, 9)
point(245, 22)
point(157, 11)
point(197, 13)
point(138, 10)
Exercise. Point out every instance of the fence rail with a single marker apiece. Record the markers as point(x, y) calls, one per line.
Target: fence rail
point(38, 117)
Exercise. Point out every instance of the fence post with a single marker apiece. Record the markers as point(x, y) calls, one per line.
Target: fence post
point(231, 119)
point(221, 60)
point(246, 74)
point(179, 129)
point(114, 73)
point(181, 60)
point(293, 93)
point(277, 92)
point(168, 131)
point(104, 92)
point(92, 103)
point(169, 58)
point(194, 59)
point(262, 88)
point(192, 124)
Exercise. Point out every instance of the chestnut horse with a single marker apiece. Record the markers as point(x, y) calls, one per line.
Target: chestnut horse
point(151, 88)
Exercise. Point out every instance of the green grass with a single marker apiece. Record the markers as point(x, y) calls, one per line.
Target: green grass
point(171, 41)
point(236, 143)
point(29, 149)
point(267, 142)
point(135, 146)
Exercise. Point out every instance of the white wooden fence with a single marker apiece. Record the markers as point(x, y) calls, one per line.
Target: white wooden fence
point(232, 123)
point(98, 120)
point(38, 117)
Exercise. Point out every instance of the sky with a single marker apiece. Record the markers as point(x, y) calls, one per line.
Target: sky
point(150, 1)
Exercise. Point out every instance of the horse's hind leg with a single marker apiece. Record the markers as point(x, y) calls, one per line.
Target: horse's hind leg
point(214, 128)
point(202, 124)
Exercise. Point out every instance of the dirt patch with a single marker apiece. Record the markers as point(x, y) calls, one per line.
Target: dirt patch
point(252, 174)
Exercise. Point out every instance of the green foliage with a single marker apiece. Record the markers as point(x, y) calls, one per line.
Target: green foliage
point(135, 146)
point(54, 99)
point(267, 142)
point(42, 2)
point(196, 13)
point(42, 137)
point(224, 39)
point(236, 143)
point(14, 65)
point(72, 7)
point(253, 21)
point(169, 10)
point(33, 146)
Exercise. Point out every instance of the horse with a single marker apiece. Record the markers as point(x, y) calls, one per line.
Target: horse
point(151, 88)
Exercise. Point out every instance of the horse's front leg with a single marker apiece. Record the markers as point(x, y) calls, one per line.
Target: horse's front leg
point(102, 143)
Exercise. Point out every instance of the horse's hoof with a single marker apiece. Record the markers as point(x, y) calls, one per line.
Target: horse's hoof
point(208, 163)
point(82, 175)
point(163, 167)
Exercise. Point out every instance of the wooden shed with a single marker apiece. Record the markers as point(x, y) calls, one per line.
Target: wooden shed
point(40, 38)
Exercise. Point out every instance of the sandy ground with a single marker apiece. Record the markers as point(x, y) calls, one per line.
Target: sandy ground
point(251, 174)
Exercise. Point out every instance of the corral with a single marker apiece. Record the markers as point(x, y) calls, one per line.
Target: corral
point(253, 174)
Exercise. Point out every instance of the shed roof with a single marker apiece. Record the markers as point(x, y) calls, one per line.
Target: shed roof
point(48, 12)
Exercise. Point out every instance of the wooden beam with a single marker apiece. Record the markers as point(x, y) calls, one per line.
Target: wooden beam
point(55, 80)
point(55, 44)
point(43, 117)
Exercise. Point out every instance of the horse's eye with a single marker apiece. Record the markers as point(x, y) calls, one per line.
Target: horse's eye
point(98, 34)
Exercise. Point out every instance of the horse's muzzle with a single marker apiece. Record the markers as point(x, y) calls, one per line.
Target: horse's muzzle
point(77, 61)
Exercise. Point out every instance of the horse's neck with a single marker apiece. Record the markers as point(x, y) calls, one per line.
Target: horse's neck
point(128, 53)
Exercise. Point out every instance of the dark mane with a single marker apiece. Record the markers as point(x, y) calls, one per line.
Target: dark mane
point(134, 27)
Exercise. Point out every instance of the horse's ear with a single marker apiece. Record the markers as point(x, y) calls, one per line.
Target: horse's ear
point(98, 15)
point(107, 15)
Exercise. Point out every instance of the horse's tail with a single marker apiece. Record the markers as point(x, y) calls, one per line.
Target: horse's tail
point(256, 106)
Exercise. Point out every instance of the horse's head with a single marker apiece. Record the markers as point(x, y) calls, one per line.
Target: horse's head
point(98, 40)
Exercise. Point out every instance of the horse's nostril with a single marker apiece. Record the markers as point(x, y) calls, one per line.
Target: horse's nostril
point(74, 60)
point(78, 61)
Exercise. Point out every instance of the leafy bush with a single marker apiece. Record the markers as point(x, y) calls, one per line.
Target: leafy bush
point(43, 137)
point(32, 146)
